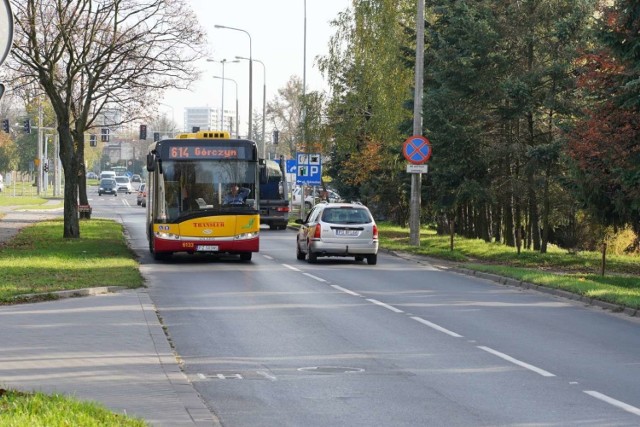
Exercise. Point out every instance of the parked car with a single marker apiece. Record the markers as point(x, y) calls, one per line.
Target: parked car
point(124, 184)
point(108, 186)
point(92, 175)
point(315, 196)
point(338, 229)
point(141, 198)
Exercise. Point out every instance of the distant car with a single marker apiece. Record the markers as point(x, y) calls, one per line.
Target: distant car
point(136, 178)
point(108, 186)
point(124, 184)
point(141, 198)
point(314, 198)
point(338, 229)
point(107, 174)
point(92, 175)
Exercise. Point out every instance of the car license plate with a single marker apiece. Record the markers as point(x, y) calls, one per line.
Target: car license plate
point(346, 232)
point(207, 248)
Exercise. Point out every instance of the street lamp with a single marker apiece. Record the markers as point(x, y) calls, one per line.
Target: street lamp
point(264, 102)
point(222, 61)
point(236, 83)
point(250, 74)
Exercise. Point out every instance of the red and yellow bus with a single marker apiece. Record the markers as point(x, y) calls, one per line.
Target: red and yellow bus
point(188, 209)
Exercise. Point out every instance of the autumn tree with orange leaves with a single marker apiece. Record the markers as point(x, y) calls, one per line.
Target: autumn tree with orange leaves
point(605, 144)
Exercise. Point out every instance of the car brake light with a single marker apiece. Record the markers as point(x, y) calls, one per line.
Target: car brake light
point(316, 233)
point(375, 232)
point(283, 209)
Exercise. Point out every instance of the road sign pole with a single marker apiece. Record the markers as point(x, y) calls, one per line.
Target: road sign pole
point(416, 178)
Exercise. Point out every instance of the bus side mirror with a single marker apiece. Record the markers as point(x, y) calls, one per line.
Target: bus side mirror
point(151, 162)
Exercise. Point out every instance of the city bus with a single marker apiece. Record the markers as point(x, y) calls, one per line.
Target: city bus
point(188, 206)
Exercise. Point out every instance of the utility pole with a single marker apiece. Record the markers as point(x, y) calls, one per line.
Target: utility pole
point(416, 178)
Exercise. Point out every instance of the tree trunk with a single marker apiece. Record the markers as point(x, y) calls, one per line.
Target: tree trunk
point(70, 166)
point(546, 207)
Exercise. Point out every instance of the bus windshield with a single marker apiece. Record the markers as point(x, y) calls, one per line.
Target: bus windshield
point(188, 187)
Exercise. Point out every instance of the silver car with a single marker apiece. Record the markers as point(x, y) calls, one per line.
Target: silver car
point(338, 229)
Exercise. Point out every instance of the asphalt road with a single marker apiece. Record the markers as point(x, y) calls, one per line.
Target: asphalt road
point(280, 342)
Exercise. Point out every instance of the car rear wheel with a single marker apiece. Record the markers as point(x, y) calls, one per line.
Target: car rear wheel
point(312, 257)
point(359, 258)
point(372, 259)
point(299, 254)
point(245, 256)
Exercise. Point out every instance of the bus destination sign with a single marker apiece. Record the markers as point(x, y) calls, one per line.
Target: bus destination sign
point(203, 152)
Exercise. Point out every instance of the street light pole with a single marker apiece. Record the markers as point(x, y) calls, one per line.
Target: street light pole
point(223, 62)
point(250, 75)
point(304, 83)
point(236, 83)
point(264, 103)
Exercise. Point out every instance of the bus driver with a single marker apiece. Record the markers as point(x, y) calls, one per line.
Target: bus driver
point(236, 195)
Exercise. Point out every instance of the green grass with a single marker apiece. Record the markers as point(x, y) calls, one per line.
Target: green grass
point(19, 409)
point(39, 260)
point(577, 273)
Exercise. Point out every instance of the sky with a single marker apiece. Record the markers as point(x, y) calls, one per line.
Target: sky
point(276, 28)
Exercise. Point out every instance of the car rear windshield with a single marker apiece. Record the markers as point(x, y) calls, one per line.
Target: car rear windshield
point(346, 215)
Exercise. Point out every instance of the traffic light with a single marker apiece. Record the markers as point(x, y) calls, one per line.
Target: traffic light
point(104, 134)
point(93, 140)
point(5, 125)
point(27, 126)
point(143, 132)
point(276, 134)
point(156, 136)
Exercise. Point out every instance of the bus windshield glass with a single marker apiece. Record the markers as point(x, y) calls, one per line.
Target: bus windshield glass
point(189, 187)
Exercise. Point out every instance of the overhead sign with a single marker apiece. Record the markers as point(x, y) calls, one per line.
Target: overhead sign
point(416, 149)
point(6, 29)
point(309, 168)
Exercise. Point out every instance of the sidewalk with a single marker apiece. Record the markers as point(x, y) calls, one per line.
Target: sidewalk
point(108, 348)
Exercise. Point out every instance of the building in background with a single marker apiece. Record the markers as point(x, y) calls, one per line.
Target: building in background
point(207, 118)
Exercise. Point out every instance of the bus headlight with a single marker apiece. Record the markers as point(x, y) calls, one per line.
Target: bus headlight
point(247, 236)
point(168, 236)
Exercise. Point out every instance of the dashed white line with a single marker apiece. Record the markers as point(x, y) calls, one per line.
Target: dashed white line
point(517, 362)
point(291, 268)
point(387, 306)
point(436, 327)
point(319, 279)
point(346, 291)
point(614, 402)
point(267, 256)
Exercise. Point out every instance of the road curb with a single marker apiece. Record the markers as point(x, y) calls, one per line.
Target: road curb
point(73, 293)
point(507, 281)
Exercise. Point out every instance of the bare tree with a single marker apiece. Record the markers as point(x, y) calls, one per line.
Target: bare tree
point(89, 55)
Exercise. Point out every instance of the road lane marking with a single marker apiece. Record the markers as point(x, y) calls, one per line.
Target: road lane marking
point(319, 279)
point(267, 375)
point(346, 291)
point(291, 268)
point(517, 362)
point(614, 402)
point(387, 306)
point(267, 256)
point(436, 327)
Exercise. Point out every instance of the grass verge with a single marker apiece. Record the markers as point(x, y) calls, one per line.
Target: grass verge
point(577, 273)
point(19, 409)
point(39, 261)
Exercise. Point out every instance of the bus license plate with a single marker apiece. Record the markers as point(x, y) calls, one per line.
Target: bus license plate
point(207, 248)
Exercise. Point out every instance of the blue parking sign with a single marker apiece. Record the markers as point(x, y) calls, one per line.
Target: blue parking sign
point(308, 168)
